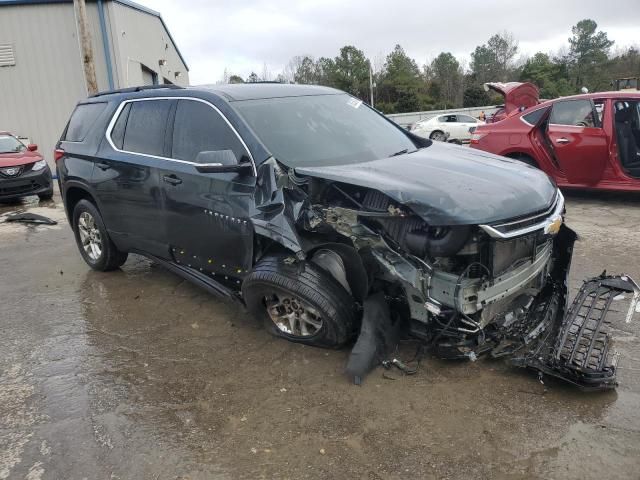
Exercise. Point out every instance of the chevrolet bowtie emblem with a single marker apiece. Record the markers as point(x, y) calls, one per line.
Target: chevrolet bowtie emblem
point(553, 226)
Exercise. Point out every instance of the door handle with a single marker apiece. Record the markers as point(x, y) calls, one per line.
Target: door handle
point(103, 166)
point(172, 179)
point(563, 140)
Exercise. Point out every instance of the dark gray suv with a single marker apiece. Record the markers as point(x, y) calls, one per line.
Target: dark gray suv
point(326, 219)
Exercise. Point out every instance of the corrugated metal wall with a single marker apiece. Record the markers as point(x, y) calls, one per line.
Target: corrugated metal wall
point(39, 92)
point(142, 40)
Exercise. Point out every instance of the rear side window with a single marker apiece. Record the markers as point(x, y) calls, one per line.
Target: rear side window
point(117, 133)
point(82, 119)
point(466, 119)
point(573, 112)
point(534, 117)
point(199, 128)
point(146, 126)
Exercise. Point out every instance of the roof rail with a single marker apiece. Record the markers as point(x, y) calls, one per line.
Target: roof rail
point(136, 89)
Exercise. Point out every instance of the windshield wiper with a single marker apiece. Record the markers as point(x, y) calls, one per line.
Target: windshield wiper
point(401, 152)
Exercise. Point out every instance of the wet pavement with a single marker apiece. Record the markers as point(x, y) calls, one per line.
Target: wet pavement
point(136, 374)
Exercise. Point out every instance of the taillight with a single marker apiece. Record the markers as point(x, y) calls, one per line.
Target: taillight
point(475, 137)
point(58, 153)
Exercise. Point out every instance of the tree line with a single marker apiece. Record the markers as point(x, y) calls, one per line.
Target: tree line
point(401, 85)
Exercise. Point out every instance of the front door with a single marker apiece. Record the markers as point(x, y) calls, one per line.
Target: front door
point(126, 177)
point(207, 214)
point(578, 141)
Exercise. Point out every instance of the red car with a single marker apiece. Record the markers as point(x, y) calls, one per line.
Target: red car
point(23, 171)
point(584, 141)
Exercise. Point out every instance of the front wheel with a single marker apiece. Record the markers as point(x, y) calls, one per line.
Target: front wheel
point(92, 238)
point(300, 302)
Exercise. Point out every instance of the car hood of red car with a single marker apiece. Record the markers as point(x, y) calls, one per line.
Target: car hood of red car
point(18, 158)
point(516, 94)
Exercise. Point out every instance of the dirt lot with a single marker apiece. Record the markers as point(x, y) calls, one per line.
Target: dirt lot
point(137, 374)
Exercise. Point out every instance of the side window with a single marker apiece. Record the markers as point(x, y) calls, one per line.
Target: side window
point(534, 117)
point(599, 104)
point(199, 128)
point(442, 119)
point(82, 119)
point(146, 126)
point(573, 112)
point(117, 133)
point(466, 119)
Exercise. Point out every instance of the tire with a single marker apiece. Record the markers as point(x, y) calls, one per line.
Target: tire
point(437, 136)
point(88, 221)
point(48, 195)
point(317, 296)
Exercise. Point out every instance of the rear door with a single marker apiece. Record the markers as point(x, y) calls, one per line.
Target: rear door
point(466, 122)
point(578, 142)
point(126, 176)
point(207, 214)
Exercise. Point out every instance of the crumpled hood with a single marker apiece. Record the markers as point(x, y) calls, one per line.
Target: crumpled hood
point(450, 185)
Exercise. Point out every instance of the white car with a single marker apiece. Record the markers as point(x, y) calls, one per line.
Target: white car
point(456, 125)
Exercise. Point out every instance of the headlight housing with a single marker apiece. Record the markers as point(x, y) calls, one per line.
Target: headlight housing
point(39, 165)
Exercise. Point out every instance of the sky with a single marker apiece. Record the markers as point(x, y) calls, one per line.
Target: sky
point(244, 36)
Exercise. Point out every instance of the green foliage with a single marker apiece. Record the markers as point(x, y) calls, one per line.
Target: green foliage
point(588, 55)
point(475, 96)
point(445, 78)
point(235, 79)
point(550, 76)
point(400, 85)
point(401, 88)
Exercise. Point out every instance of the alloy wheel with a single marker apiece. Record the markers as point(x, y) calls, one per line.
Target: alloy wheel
point(292, 316)
point(90, 236)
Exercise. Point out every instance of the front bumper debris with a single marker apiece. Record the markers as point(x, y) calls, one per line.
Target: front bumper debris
point(576, 347)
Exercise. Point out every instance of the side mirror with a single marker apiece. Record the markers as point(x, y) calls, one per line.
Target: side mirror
point(220, 161)
point(32, 147)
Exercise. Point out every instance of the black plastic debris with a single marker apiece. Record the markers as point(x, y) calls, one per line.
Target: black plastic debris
point(378, 337)
point(30, 218)
point(577, 348)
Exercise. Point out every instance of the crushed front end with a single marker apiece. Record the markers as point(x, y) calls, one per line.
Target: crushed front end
point(466, 290)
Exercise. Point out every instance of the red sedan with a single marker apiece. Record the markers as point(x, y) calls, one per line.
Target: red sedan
point(584, 141)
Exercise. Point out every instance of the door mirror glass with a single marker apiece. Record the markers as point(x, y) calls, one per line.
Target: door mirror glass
point(220, 157)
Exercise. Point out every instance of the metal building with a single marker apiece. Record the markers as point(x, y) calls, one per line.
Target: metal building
point(41, 70)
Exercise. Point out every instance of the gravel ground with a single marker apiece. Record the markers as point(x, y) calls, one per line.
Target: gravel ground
point(136, 374)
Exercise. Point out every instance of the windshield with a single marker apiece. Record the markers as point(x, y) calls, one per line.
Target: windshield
point(9, 144)
point(322, 130)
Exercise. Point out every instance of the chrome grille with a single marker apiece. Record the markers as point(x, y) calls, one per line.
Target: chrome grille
point(528, 224)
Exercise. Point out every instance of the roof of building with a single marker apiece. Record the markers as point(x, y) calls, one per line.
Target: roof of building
point(258, 90)
point(127, 3)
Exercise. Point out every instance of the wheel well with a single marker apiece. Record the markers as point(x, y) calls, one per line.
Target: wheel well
point(72, 196)
point(526, 158)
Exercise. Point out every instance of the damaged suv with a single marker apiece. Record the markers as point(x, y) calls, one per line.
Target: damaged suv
point(327, 221)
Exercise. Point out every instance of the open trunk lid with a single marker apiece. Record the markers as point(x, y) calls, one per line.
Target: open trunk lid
point(516, 94)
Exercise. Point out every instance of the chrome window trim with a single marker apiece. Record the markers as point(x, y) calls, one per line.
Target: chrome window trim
point(116, 114)
point(548, 218)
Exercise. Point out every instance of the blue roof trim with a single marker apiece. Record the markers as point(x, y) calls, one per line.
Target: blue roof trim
point(126, 3)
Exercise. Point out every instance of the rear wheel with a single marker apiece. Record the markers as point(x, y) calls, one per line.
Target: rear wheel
point(300, 302)
point(92, 238)
point(438, 136)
